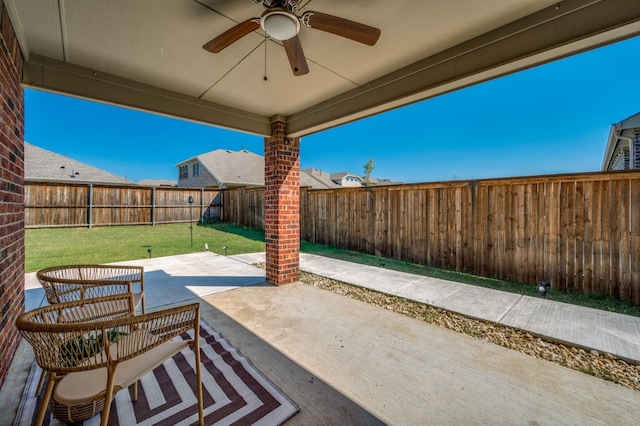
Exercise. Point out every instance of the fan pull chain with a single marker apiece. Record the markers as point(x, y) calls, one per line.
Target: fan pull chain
point(265, 59)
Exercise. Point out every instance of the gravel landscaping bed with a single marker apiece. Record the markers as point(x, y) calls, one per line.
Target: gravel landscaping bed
point(604, 366)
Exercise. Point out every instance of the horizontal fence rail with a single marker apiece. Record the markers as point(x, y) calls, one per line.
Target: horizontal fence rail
point(579, 232)
point(50, 204)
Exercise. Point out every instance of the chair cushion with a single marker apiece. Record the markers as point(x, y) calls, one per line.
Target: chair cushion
point(84, 386)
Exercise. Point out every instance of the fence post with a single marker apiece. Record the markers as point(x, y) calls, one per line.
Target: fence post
point(222, 195)
point(153, 206)
point(90, 207)
point(201, 205)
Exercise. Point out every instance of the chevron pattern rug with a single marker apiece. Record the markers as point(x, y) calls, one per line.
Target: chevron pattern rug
point(235, 392)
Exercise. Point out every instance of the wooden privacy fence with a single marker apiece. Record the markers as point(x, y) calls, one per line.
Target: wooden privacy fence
point(63, 205)
point(580, 232)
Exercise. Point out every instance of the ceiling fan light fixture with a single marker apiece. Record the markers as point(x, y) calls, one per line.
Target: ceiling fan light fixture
point(280, 25)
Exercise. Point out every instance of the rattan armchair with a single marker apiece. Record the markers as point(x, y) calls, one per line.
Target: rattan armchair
point(76, 282)
point(107, 351)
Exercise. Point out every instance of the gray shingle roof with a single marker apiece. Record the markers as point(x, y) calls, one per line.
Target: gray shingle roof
point(317, 178)
point(234, 167)
point(243, 167)
point(632, 122)
point(40, 164)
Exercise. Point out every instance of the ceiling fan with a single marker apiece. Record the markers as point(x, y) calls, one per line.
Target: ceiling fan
point(281, 22)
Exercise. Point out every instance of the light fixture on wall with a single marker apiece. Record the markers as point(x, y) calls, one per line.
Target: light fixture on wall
point(280, 24)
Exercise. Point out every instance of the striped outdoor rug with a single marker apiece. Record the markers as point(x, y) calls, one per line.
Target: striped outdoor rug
point(235, 392)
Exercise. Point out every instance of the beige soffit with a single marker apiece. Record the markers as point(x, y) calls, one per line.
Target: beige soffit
point(147, 54)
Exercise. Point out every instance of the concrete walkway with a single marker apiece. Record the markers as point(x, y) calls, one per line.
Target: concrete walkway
point(590, 329)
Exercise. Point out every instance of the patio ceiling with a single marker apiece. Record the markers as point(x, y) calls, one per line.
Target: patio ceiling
point(147, 54)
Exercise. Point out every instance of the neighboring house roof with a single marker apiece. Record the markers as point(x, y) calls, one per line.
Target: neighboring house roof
point(341, 175)
point(317, 178)
point(617, 137)
point(338, 177)
point(382, 182)
point(157, 182)
point(232, 167)
point(40, 164)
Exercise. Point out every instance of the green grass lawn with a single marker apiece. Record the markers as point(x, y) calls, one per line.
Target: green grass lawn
point(62, 246)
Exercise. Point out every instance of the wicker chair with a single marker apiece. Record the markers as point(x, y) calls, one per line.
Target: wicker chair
point(76, 282)
point(94, 348)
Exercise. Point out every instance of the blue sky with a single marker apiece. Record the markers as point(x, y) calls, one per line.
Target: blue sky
point(550, 119)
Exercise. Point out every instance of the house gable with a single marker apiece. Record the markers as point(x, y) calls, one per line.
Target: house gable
point(192, 173)
point(623, 145)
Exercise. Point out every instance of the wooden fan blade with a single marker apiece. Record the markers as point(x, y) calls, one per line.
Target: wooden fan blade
point(232, 35)
point(342, 27)
point(293, 47)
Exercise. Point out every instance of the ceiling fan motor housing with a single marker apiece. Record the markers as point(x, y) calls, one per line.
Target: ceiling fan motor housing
point(280, 24)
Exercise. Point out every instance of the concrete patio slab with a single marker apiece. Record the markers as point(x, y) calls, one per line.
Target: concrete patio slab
point(180, 278)
point(250, 258)
point(347, 362)
point(175, 279)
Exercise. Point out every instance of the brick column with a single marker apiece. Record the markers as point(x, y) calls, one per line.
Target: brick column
point(11, 192)
point(282, 205)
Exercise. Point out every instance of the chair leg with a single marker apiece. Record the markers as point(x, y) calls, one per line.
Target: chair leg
point(196, 348)
point(43, 374)
point(108, 397)
point(45, 399)
point(135, 391)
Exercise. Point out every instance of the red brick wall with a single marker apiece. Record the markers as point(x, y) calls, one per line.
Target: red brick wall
point(11, 192)
point(282, 205)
